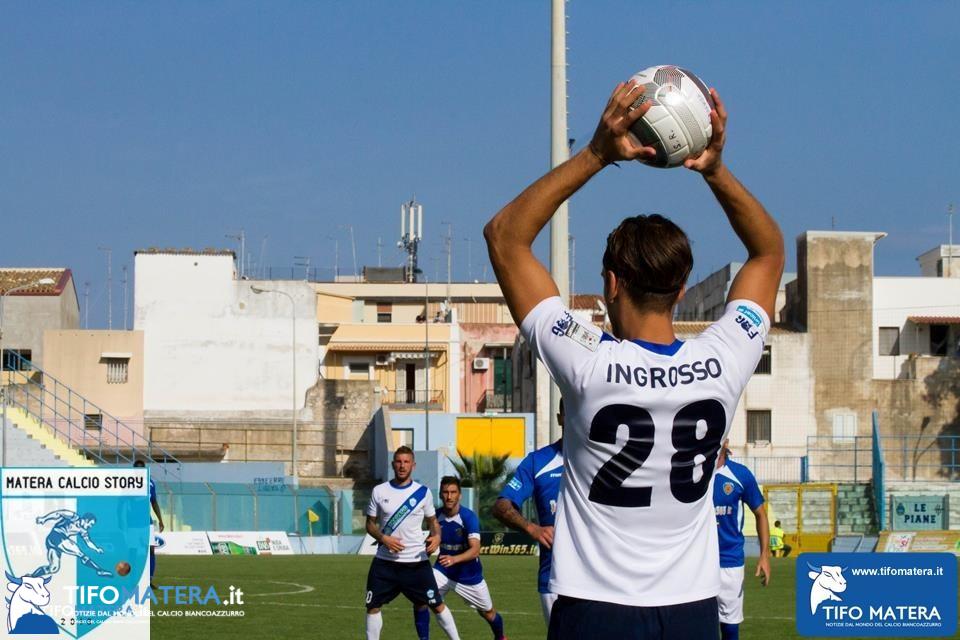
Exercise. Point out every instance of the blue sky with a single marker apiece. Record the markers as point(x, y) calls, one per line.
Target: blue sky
point(132, 125)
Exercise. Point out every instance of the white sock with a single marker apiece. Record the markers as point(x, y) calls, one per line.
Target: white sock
point(445, 619)
point(374, 625)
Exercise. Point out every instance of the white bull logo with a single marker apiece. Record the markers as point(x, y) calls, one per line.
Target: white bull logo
point(27, 595)
point(827, 583)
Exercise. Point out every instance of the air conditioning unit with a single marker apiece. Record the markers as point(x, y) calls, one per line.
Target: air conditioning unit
point(481, 364)
point(382, 360)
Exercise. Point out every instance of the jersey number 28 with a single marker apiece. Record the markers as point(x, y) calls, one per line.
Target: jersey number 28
point(607, 487)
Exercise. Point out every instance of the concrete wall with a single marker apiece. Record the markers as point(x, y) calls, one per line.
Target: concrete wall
point(211, 344)
point(27, 317)
point(75, 358)
point(334, 434)
point(836, 284)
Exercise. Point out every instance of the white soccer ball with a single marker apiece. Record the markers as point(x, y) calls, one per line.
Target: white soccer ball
point(678, 122)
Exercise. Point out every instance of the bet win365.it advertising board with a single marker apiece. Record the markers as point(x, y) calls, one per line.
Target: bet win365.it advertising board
point(75, 552)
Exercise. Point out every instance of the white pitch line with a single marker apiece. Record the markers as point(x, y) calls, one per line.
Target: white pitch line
point(360, 607)
point(304, 588)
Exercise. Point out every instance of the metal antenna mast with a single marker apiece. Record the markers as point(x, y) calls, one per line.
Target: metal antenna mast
point(109, 253)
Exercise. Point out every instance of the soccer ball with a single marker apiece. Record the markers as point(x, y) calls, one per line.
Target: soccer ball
point(678, 122)
point(123, 568)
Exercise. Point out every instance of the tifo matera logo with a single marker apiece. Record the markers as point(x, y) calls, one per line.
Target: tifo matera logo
point(827, 583)
point(25, 599)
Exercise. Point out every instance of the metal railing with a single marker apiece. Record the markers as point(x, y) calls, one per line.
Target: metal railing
point(774, 469)
point(904, 458)
point(413, 397)
point(493, 401)
point(879, 497)
point(259, 441)
point(847, 459)
point(79, 422)
point(222, 506)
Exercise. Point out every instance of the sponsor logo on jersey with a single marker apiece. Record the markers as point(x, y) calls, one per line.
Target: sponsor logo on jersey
point(560, 326)
point(746, 326)
point(515, 484)
point(752, 315)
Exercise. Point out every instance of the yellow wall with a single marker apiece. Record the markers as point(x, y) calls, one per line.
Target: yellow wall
point(74, 358)
point(491, 436)
point(334, 309)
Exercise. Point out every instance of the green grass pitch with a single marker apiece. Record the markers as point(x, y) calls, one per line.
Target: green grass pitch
point(321, 597)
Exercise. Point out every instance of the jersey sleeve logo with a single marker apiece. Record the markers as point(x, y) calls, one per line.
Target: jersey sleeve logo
point(560, 326)
point(748, 319)
point(580, 334)
point(515, 484)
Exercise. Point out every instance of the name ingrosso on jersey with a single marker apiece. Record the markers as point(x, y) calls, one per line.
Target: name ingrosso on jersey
point(683, 374)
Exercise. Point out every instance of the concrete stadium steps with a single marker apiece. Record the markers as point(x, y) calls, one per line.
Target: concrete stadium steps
point(25, 451)
point(926, 488)
point(855, 509)
point(32, 428)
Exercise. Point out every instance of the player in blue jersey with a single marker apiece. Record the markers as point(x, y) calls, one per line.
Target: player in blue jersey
point(458, 566)
point(538, 476)
point(159, 523)
point(735, 484)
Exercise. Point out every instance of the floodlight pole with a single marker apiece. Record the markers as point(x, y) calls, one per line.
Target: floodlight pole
point(559, 153)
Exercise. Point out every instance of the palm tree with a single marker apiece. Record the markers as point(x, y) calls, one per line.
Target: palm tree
point(485, 474)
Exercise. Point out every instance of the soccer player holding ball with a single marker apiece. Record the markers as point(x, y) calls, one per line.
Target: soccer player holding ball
point(635, 550)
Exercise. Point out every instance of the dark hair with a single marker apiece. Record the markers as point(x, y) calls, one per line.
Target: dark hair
point(139, 463)
point(776, 523)
point(651, 257)
point(445, 480)
point(402, 450)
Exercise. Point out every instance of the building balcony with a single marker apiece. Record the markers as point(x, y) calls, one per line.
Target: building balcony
point(413, 399)
point(492, 401)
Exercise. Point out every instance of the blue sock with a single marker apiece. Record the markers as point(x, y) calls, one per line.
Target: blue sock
point(153, 563)
point(729, 631)
point(421, 620)
point(497, 626)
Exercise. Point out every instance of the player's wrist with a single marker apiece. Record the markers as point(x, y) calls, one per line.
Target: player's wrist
point(716, 173)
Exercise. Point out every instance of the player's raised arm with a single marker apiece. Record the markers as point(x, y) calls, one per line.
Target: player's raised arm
point(759, 278)
point(510, 234)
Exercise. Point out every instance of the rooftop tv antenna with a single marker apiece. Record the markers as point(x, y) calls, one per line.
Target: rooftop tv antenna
point(411, 233)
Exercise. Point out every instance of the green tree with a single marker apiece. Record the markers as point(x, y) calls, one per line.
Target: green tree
point(485, 474)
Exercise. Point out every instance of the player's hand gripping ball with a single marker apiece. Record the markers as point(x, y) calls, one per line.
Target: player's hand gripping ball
point(678, 123)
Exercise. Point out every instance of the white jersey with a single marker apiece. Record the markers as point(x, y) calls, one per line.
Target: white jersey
point(644, 423)
point(400, 511)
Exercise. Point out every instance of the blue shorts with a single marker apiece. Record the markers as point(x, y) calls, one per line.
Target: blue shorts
point(386, 580)
point(574, 619)
point(54, 538)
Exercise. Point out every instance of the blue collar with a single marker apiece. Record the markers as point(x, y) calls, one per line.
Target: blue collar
point(662, 349)
point(401, 486)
